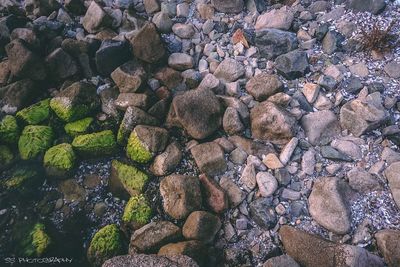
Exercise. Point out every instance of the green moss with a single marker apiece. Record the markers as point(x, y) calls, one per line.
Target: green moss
point(23, 179)
point(95, 144)
point(137, 211)
point(66, 111)
point(105, 244)
point(36, 113)
point(34, 140)
point(136, 151)
point(9, 130)
point(131, 178)
point(59, 159)
point(122, 135)
point(40, 240)
point(6, 157)
point(78, 127)
point(33, 240)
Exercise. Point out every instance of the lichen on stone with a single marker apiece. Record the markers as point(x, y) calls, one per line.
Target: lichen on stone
point(95, 144)
point(137, 211)
point(78, 127)
point(9, 130)
point(59, 159)
point(136, 151)
point(34, 140)
point(35, 113)
point(131, 178)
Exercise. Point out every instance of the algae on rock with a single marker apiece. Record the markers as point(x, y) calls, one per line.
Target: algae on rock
point(78, 127)
point(6, 157)
point(59, 160)
point(137, 212)
point(95, 144)
point(34, 140)
point(35, 113)
point(9, 130)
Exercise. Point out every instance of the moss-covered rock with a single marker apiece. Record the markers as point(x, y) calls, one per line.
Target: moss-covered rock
point(95, 144)
point(59, 160)
point(75, 102)
point(32, 239)
point(34, 141)
point(126, 180)
point(137, 212)
point(35, 113)
point(78, 127)
point(136, 150)
point(6, 157)
point(23, 179)
point(105, 244)
point(9, 130)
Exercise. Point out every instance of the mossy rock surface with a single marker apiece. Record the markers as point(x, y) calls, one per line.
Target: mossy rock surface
point(35, 113)
point(59, 160)
point(95, 144)
point(78, 127)
point(6, 157)
point(136, 150)
point(23, 179)
point(34, 140)
point(105, 244)
point(32, 239)
point(137, 212)
point(9, 130)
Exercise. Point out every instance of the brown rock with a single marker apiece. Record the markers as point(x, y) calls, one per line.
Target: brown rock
point(389, 245)
point(147, 45)
point(194, 249)
point(263, 86)
point(210, 158)
point(129, 77)
point(169, 77)
point(202, 226)
point(216, 198)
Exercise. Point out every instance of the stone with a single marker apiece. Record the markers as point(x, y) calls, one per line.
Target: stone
point(248, 177)
point(273, 42)
point(362, 181)
point(281, 261)
point(348, 148)
point(41, 7)
point(328, 204)
point(202, 226)
point(129, 77)
point(72, 191)
point(215, 196)
point(34, 141)
point(333, 154)
point(163, 22)
point(272, 161)
point(150, 260)
point(227, 6)
point(320, 126)
point(391, 174)
point(311, 91)
point(181, 195)
point(180, 61)
point(125, 100)
point(151, 6)
point(96, 19)
point(9, 130)
point(308, 162)
point(290, 194)
point(61, 65)
point(263, 86)
point(111, 55)
point(392, 69)
point(95, 144)
point(332, 42)
point(184, 31)
point(262, 213)
point(59, 160)
point(194, 249)
point(147, 44)
point(197, 111)
point(234, 193)
point(166, 162)
point(359, 69)
point(271, 123)
point(292, 65)
point(327, 82)
point(76, 7)
point(372, 6)
point(209, 158)
point(137, 212)
point(231, 122)
point(229, 70)
point(7, 157)
point(388, 242)
point(276, 18)
point(36, 113)
point(288, 150)
point(267, 184)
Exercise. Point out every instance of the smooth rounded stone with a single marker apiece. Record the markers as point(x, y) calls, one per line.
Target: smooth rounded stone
point(320, 126)
point(281, 261)
point(150, 261)
point(180, 61)
point(372, 6)
point(96, 19)
point(273, 42)
point(276, 18)
point(347, 147)
point(312, 251)
point(392, 175)
point(147, 44)
point(234, 193)
point(202, 226)
point(129, 76)
point(392, 69)
point(388, 242)
point(184, 31)
point(308, 162)
point(198, 111)
point(193, 248)
point(166, 162)
point(292, 65)
point(215, 196)
point(262, 213)
point(228, 6)
point(263, 86)
point(272, 161)
point(267, 184)
point(163, 22)
point(238, 156)
point(288, 150)
point(231, 122)
point(181, 195)
point(154, 235)
point(328, 204)
point(248, 177)
point(362, 181)
point(229, 70)
point(272, 123)
point(209, 158)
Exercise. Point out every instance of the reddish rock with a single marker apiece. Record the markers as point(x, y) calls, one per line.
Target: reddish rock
point(216, 198)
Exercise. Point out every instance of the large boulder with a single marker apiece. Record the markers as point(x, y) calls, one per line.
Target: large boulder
point(147, 44)
point(36, 113)
point(129, 76)
point(372, 6)
point(392, 175)
point(292, 65)
point(18, 95)
point(209, 158)
point(228, 6)
point(320, 126)
point(273, 42)
point(61, 65)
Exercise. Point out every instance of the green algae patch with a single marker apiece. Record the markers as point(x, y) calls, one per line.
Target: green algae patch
point(6, 157)
point(23, 179)
point(137, 212)
point(59, 160)
point(78, 127)
point(35, 113)
point(95, 144)
point(9, 130)
point(34, 140)
point(136, 151)
point(105, 244)
point(34, 240)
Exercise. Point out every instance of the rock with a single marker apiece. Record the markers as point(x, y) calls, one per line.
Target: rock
point(150, 261)
point(263, 86)
point(126, 180)
point(273, 42)
point(18, 95)
point(6, 157)
point(145, 142)
point(276, 18)
point(154, 235)
point(181, 195)
point(290, 194)
point(272, 161)
point(111, 55)
point(147, 44)
point(166, 162)
point(272, 123)
point(9, 130)
point(331, 153)
point(388, 244)
point(252, 147)
point(332, 42)
point(231, 122)
point(248, 177)
point(151, 6)
point(197, 111)
point(125, 100)
point(129, 76)
point(308, 162)
point(95, 144)
point(229, 70)
point(76, 7)
point(36, 113)
point(209, 158)
point(24, 180)
point(194, 249)
point(61, 64)
point(359, 69)
point(180, 61)
point(105, 244)
point(372, 6)
point(391, 174)
point(137, 212)
point(320, 126)
point(327, 82)
point(288, 150)
point(281, 261)
point(348, 148)
point(313, 251)
point(72, 191)
point(227, 6)
point(234, 193)
point(362, 181)
point(34, 141)
point(328, 204)
point(96, 19)
point(41, 7)
point(392, 69)
point(202, 226)
point(262, 213)
point(184, 31)
point(292, 65)
point(215, 196)
point(163, 22)
point(267, 184)
point(59, 160)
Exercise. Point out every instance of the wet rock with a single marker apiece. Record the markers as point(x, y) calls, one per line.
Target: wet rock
point(9, 130)
point(262, 213)
point(388, 242)
point(150, 261)
point(215, 196)
point(61, 64)
point(181, 195)
point(362, 181)
point(59, 160)
point(96, 19)
point(372, 6)
point(276, 18)
point(95, 144)
point(227, 6)
point(34, 141)
point(292, 65)
point(129, 76)
point(392, 176)
point(36, 113)
point(209, 158)
point(231, 122)
point(234, 193)
point(6, 156)
point(72, 191)
point(202, 226)
point(267, 184)
point(147, 44)
point(320, 127)
point(137, 212)
point(166, 162)
point(328, 204)
point(18, 95)
point(194, 249)
point(263, 86)
point(281, 261)
point(180, 61)
point(273, 42)
point(75, 6)
point(229, 70)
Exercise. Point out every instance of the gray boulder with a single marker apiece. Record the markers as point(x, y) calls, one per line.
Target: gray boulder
point(292, 65)
point(273, 42)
